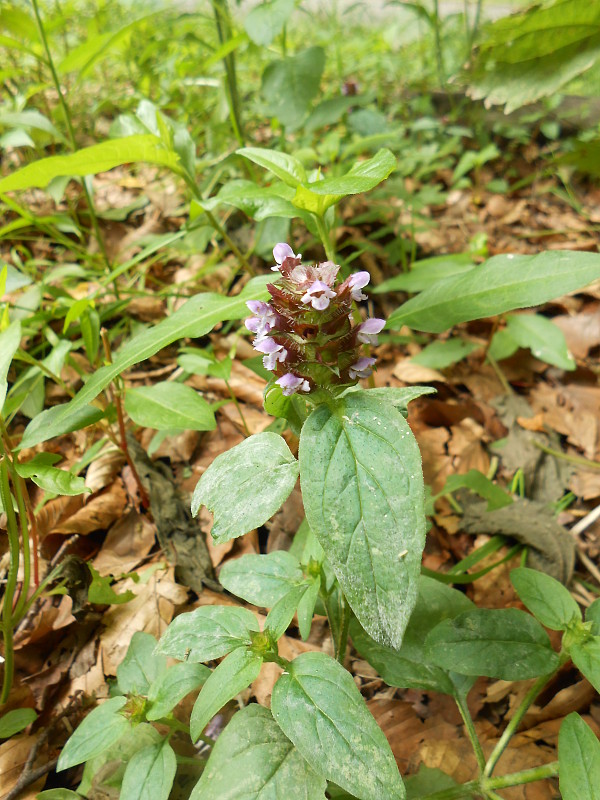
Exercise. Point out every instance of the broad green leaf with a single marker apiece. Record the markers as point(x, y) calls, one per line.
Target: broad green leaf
point(234, 674)
point(501, 284)
point(101, 728)
point(409, 666)
point(499, 643)
point(258, 202)
point(16, 720)
point(502, 345)
point(400, 397)
point(319, 708)
point(43, 426)
point(266, 20)
point(477, 482)
point(91, 160)
point(49, 478)
point(9, 344)
point(427, 781)
point(439, 355)
point(58, 794)
point(150, 773)
point(540, 335)
point(207, 633)
point(261, 579)
point(31, 118)
point(362, 487)
point(246, 485)
point(579, 760)
point(14, 279)
point(168, 405)
point(306, 606)
point(287, 168)
point(173, 685)
point(547, 599)
point(362, 177)
point(586, 658)
point(280, 616)
point(101, 592)
point(253, 759)
point(592, 615)
point(289, 85)
point(141, 665)
point(194, 319)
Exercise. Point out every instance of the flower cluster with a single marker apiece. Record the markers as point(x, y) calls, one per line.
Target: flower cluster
point(305, 333)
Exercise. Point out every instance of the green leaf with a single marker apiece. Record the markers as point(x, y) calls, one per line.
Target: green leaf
point(207, 633)
point(586, 658)
point(101, 592)
point(317, 706)
point(427, 781)
point(547, 599)
point(16, 720)
point(306, 606)
point(173, 685)
point(43, 426)
point(501, 284)
point(592, 615)
point(49, 478)
point(439, 355)
point(409, 666)
point(253, 758)
point(169, 405)
point(150, 773)
point(540, 335)
point(477, 482)
point(245, 486)
point(579, 760)
point(141, 665)
point(234, 674)
point(261, 579)
point(258, 202)
point(91, 160)
point(287, 168)
point(362, 177)
point(9, 344)
point(499, 643)
point(194, 319)
point(400, 397)
point(426, 273)
point(58, 794)
point(265, 21)
point(280, 616)
point(502, 345)
point(101, 728)
point(362, 486)
point(289, 85)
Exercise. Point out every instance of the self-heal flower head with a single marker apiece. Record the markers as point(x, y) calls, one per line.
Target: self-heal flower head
point(367, 332)
point(282, 251)
point(290, 384)
point(264, 320)
point(362, 368)
point(357, 282)
point(318, 295)
point(274, 352)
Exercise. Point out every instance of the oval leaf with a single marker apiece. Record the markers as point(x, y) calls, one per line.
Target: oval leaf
point(501, 284)
point(261, 579)
point(207, 633)
point(547, 599)
point(169, 405)
point(586, 658)
point(141, 665)
point(150, 773)
point(579, 760)
point(175, 684)
point(245, 486)
point(499, 643)
point(253, 758)
point(318, 707)
point(362, 486)
point(98, 731)
point(16, 720)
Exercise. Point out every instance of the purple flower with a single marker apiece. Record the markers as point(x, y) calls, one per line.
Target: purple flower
point(362, 368)
point(264, 320)
point(318, 295)
point(291, 383)
point(274, 352)
point(367, 332)
point(282, 251)
point(357, 282)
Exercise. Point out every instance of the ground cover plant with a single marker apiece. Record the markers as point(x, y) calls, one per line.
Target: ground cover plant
point(299, 408)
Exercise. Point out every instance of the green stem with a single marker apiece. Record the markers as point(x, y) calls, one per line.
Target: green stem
point(239, 408)
point(461, 702)
point(11, 582)
point(325, 238)
point(525, 776)
point(223, 24)
point(19, 486)
point(70, 129)
point(584, 462)
point(516, 719)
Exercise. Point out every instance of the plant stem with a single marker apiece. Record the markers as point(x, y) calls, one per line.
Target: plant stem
point(516, 719)
point(223, 24)
point(11, 582)
point(239, 408)
point(525, 776)
point(461, 702)
point(325, 238)
point(70, 129)
point(584, 462)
